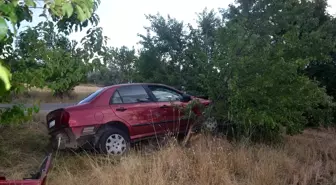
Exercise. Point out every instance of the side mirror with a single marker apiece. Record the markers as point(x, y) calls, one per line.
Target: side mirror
point(185, 98)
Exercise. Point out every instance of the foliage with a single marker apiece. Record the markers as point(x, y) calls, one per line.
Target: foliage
point(16, 11)
point(12, 13)
point(266, 92)
point(268, 66)
point(117, 67)
point(250, 63)
point(17, 114)
point(265, 64)
point(83, 14)
point(5, 78)
point(161, 58)
point(49, 59)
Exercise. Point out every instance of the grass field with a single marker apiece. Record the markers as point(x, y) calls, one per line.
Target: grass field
point(306, 159)
point(45, 95)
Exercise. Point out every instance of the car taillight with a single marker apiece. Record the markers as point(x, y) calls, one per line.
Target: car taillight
point(65, 118)
point(58, 118)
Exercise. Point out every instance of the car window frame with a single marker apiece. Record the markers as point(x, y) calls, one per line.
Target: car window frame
point(162, 86)
point(151, 100)
point(91, 97)
point(111, 98)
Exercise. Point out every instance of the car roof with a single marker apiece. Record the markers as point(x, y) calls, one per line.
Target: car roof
point(127, 84)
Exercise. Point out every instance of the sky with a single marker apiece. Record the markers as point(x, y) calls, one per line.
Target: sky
point(122, 20)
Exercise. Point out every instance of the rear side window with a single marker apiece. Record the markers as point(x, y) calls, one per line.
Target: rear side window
point(91, 96)
point(116, 98)
point(130, 94)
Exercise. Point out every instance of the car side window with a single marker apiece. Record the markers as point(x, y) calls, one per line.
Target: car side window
point(116, 99)
point(130, 94)
point(163, 94)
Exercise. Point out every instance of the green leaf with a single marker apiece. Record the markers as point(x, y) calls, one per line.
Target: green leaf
point(68, 10)
point(15, 2)
point(80, 13)
point(4, 79)
point(30, 3)
point(13, 17)
point(3, 28)
point(36, 108)
point(6, 9)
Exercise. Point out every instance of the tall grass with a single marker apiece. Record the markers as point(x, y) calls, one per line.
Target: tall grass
point(302, 160)
point(306, 159)
point(22, 147)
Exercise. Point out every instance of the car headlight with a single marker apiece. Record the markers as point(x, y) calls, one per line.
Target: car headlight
point(51, 123)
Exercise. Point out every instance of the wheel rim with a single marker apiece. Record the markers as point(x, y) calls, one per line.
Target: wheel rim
point(116, 144)
point(211, 124)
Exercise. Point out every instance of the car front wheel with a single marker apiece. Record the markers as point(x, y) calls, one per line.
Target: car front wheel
point(210, 124)
point(114, 142)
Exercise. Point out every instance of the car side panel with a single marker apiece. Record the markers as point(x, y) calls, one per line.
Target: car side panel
point(90, 117)
point(93, 114)
point(173, 118)
point(141, 118)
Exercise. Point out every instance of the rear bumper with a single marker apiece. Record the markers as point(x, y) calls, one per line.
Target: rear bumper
point(63, 139)
point(66, 139)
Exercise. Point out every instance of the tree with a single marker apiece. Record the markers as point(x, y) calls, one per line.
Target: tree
point(117, 67)
point(263, 48)
point(251, 63)
point(201, 53)
point(14, 12)
point(52, 60)
point(67, 13)
point(177, 54)
point(164, 46)
point(123, 60)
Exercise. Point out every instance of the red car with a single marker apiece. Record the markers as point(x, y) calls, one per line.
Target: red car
point(113, 117)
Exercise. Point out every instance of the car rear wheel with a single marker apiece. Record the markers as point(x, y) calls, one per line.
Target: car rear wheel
point(114, 142)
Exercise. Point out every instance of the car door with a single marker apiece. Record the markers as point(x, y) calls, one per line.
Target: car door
point(169, 103)
point(134, 106)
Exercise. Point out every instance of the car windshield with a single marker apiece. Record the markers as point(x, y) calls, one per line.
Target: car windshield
point(91, 97)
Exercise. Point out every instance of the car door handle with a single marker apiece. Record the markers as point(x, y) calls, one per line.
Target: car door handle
point(121, 109)
point(164, 106)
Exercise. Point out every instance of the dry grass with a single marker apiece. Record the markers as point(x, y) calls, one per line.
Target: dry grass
point(22, 148)
point(45, 96)
point(306, 159)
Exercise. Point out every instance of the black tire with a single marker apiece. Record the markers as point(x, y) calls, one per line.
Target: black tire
point(112, 135)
